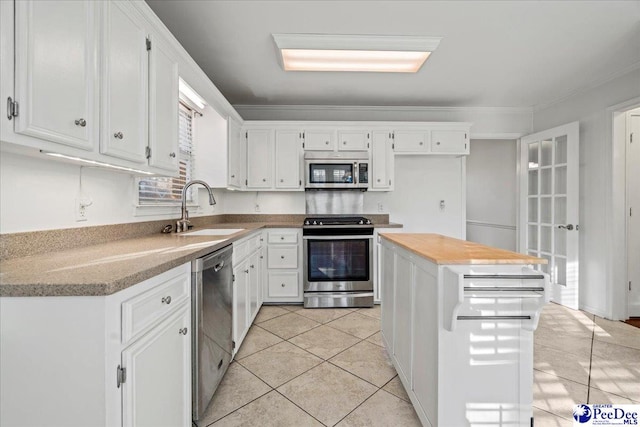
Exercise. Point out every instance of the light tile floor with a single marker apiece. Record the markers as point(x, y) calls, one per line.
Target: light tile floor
point(328, 367)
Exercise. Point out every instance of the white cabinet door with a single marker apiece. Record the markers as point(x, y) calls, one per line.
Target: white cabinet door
point(411, 141)
point(402, 328)
point(254, 285)
point(157, 390)
point(353, 140)
point(382, 162)
point(237, 155)
point(163, 108)
point(56, 72)
point(387, 293)
point(240, 303)
point(288, 159)
point(259, 158)
point(319, 140)
point(124, 83)
point(449, 142)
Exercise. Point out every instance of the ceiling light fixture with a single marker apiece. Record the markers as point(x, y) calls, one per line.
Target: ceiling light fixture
point(330, 52)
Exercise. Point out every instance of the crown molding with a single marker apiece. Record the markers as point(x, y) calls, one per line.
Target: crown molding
point(590, 86)
point(492, 110)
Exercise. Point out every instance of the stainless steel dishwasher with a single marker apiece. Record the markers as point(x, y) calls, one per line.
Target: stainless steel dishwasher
point(212, 292)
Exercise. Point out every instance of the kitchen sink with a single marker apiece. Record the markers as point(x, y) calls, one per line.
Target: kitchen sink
point(213, 232)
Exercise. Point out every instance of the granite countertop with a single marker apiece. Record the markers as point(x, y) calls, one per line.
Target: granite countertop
point(109, 267)
point(446, 250)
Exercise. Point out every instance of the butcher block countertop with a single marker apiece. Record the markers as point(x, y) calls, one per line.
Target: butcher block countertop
point(447, 250)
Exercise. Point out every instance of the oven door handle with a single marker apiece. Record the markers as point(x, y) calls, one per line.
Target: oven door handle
point(337, 237)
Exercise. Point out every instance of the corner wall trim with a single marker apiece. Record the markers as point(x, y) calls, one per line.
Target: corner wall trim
point(490, 225)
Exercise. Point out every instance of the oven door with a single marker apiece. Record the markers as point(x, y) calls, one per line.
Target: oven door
point(338, 263)
point(331, 174)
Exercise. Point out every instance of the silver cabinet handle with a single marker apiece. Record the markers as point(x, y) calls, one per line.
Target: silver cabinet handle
point(281, 256)
point(421, 143)
point(344, 142)
point(378, 179)
point(281, 237)
point(166, 300)
point(438, 143)
point(233, 176)
point(183, 331)
point(118, 135)
point(172, 155)
point(326, 142)
point(247, 271)
point(282, 285)
point(281, 180)
point(252, 266)
point(81, 122)
point(264, 179)
point(566, 227)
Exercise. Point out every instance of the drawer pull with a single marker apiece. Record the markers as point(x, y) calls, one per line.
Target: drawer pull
point(81, 122)
point(247, 271)
point(281, 256)
point(281, 237)
point(494, 317)
point(183, 331)
point(282, 285)
point(166, 300)
point(118, 135)
point(253, 266)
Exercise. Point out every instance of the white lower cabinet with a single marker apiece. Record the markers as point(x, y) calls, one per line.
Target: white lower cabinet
point(72, 357)
point(284, 266)
point(157, 390)
point(247, 285)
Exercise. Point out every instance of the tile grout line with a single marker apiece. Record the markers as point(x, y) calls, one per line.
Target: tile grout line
point(298, 406)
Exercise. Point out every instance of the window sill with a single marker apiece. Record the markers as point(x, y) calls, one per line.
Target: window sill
point(162, 210)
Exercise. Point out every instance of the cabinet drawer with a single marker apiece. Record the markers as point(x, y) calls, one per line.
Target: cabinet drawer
point(283, 237)
point(285, 256)
point(240, 251)
point(254, 242)
point(143, 312)
point(284, 284)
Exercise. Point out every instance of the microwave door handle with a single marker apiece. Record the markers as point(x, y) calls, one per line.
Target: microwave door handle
point(355, 173)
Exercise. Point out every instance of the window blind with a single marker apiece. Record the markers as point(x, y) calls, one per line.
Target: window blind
point(167, 190)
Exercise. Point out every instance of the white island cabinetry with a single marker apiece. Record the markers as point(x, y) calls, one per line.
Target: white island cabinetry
point(121, 359)
point(458, 321)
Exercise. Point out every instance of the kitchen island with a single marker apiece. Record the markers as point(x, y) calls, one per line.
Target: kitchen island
point(457, 321)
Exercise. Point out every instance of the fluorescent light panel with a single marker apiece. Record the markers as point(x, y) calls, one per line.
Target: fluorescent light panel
point(332, 52)
point(191, 94)
point(353, 60)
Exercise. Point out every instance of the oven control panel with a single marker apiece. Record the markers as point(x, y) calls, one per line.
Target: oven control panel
point(363, 173)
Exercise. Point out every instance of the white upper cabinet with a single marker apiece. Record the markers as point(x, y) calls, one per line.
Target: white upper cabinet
point(449, 141)
point(353, 140)
point(124, 83)
point(237, 155)
point(259, 158)
point(319, 139)
point(288, 159)
point(163, 107)
point(411, 141)
point(382, 161)
point(56, 71)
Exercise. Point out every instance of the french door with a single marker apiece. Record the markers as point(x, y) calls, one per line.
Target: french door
point(549, 191)
point(633, 209)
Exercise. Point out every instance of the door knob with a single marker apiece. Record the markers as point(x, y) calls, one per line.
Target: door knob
point(81, 122)
point(118, 135)
point(566, 227)
point(172, 155)
point(183, 331)
point(166, 300)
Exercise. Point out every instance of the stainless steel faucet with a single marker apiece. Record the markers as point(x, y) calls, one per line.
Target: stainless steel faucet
point(183, 223)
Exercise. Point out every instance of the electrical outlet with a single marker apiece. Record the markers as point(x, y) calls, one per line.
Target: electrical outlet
point(380, 207)
point(81, 211)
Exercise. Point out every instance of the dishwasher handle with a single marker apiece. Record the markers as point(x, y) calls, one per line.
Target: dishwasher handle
point(218, 267)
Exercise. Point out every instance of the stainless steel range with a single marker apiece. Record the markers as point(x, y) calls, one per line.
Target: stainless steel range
point(338, 262)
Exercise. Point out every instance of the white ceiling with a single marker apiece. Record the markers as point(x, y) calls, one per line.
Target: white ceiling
point(493, 53)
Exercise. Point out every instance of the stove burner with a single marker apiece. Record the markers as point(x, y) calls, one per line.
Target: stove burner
point(339, 220)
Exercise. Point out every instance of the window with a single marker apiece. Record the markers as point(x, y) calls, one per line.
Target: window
point(162, 191)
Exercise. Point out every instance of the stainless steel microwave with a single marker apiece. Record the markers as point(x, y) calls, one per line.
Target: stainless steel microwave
point(336, 169)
